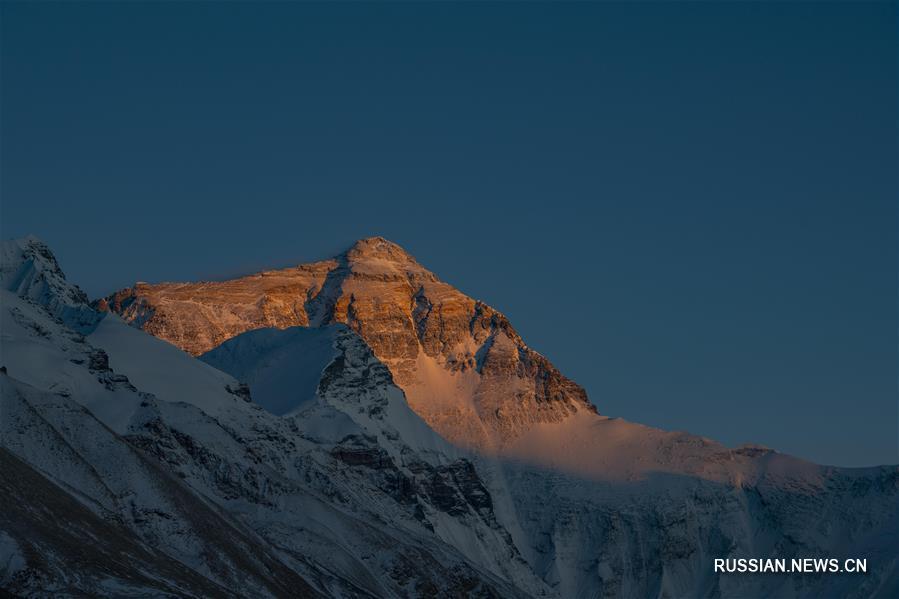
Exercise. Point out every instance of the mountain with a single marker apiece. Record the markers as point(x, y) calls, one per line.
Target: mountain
point(29, 269)
point(462, 366)
point(291, 460)
point(182, 486)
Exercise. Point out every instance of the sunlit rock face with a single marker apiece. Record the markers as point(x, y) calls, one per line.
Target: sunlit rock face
point(463, 367)
point(199, 316)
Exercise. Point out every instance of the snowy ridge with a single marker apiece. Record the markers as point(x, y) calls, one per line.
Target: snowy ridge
point(29, 269)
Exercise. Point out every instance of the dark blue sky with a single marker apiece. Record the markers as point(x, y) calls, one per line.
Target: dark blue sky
point(690, 208)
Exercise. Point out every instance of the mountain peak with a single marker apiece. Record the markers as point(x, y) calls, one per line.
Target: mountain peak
point(464, 369)
point(24, 253)
point(31, 245)
point(378, 248)
point(29, 269)
point(30, 239)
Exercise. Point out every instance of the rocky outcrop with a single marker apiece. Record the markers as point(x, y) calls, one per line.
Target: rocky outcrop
point(463, 367)
point(199, 316)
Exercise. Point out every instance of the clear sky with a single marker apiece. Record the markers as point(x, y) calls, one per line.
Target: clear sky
point(690, 208)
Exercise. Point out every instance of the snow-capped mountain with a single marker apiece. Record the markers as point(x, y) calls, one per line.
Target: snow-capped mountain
point(463, 367)
point(300, 455)
point(127, 440)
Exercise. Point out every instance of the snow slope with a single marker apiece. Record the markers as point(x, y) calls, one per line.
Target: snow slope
point(164, 370)
point(308, 373)
point(281, 379)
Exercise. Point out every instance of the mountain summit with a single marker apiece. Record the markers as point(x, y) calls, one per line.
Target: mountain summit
point(379, 248)
point(29, 269)
point(462, 365)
